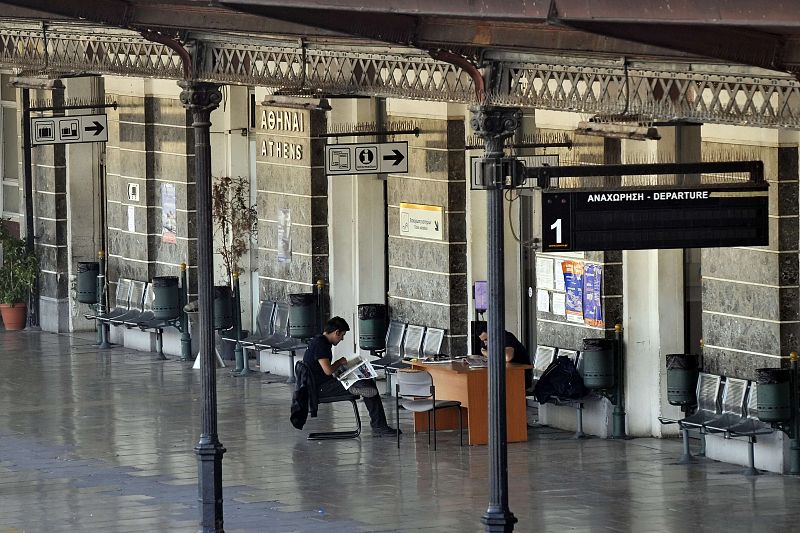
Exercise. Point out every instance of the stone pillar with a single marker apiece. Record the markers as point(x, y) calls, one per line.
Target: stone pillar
point(750, 295)
point(654, 300)
point(292, 199)
point(50, 212)
point(428, 278)
point(150, 147)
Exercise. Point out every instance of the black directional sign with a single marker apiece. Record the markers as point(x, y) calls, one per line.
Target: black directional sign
point(69, 130)
point(366, 158)
point(653, 218)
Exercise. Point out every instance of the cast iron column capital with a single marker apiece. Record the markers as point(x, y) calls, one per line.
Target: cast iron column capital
point(494, 125)
point(200, 96)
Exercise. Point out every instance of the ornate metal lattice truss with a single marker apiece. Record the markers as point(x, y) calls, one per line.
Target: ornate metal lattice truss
point(703, 93)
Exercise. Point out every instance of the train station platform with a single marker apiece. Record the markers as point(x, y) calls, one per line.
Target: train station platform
point(102, 441)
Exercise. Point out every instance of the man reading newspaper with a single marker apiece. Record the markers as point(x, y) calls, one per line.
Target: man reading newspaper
point(356, 376)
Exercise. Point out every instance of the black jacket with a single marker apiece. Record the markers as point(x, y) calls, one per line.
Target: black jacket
point(304, 398)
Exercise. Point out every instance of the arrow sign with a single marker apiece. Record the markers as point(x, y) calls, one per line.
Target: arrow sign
point(366, 158)
point(396, 156)
point(69, 130)
point(97, 128)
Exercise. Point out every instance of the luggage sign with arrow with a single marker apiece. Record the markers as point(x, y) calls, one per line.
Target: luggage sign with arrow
point(69, 130)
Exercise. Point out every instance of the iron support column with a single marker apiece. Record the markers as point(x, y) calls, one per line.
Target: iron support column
point(101, 300)
point(201, 98)
point(27, 169)
point(494, 125)
point(618, 431)
point(794, 427)
point(186, 338)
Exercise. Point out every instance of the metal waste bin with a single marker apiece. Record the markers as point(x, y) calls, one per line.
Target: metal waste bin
point(774, 394)
point(598, 363)
point(372, 326)
point(166, 298)
point(302, 318)
point(223, 307)
point(682, 374)
point(86, 290)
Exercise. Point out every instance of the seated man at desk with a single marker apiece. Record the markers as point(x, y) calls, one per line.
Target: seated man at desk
point(515, 351)
point(319, 358)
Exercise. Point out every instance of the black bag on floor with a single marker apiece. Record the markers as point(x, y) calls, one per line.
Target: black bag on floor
point(561, 379)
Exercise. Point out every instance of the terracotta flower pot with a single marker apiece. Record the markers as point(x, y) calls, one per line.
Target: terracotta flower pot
point(13, 316)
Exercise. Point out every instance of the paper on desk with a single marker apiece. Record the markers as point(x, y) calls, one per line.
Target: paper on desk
point(542, 301)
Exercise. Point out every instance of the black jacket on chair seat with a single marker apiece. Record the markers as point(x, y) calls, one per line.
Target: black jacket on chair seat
point(304, 398)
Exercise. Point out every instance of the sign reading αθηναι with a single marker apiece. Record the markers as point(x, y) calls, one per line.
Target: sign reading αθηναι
point(421, 221)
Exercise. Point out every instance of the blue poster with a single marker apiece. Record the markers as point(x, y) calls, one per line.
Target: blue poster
point(573, 285)
point(592, 291)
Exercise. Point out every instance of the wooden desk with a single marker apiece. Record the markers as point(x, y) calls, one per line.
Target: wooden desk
point(456, 381)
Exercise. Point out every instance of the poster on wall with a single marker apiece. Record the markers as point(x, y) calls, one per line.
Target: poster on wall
point(592, 301)
point(544, 273)
point(169, 214)
point(573, 284)
point(285, 235)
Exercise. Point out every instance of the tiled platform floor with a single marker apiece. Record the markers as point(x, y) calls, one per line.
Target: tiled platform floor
point(101, 441)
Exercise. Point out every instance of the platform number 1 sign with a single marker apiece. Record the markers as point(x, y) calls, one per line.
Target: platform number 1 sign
point(556, 222)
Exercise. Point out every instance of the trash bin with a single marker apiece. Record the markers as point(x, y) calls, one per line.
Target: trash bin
point(372, 326)
point(682, 374)
point(302, 316)
point(166, 298)
point(774, 394)
point(86, 291)
point(223, 307)
point(598, 363)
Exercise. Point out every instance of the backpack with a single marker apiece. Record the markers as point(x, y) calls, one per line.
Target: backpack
point(562, 380)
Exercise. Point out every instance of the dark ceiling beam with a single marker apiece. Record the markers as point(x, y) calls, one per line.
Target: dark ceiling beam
point(111, 12)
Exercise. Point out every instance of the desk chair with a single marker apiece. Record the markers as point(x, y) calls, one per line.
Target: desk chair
point(415, 392)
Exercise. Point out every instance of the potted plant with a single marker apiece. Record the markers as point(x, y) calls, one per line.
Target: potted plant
point(18, 272)
point(235, 221)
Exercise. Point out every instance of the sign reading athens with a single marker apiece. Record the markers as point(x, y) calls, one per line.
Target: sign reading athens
point(285, 128)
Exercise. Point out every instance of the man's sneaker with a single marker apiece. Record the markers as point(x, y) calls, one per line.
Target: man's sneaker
point(385, 432)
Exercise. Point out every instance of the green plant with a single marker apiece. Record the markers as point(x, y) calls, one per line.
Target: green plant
point(235, 220)
point(18, 270)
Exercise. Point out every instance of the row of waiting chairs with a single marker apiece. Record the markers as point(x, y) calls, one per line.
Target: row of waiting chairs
point(725, 406)
point(133, 308)
point(272, 329)
point(405, 342)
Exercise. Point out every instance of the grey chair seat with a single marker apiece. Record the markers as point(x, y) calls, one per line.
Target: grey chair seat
point(421, 406)
point(698, 419)
point(750, 427)
point(722, 423)
point(131, 315)
point(145, 316)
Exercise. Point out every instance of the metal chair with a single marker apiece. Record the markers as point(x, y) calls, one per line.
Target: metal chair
point(750, 426)
point(138, 292)
point(708, 386)
point(122, 301)
point(432, 344)
point(147, 309)
point(266, 311)
point(733, 406)
point(412, 344)
point(346, 397)
point(543, 357)
point(414, 391)
point(391, 353)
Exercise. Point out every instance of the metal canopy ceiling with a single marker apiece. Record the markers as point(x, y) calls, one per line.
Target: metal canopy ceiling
point(547, 53)
point(741, 31)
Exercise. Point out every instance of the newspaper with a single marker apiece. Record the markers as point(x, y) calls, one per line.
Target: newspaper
point(354, 370)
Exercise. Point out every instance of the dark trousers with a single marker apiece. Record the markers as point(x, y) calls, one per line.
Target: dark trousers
point(377, 415)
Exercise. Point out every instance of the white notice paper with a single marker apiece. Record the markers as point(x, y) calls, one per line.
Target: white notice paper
point(559, 303)
point(544, 273)
point(558, 276)
point(131, 219)
point(542, 301)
